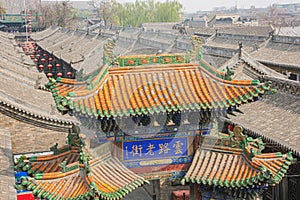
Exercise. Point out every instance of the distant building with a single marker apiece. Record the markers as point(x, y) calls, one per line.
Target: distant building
point(294, 7)
point(196, 22)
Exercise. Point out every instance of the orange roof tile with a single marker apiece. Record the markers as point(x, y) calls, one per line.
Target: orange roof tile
point(241, 166)
point(105, 177)
point(234, 170)
point(49, 163)
point(157, 88)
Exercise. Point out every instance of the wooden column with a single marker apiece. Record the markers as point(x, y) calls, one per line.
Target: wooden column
point(194, 192)
point(156, 189)
point(284, 189)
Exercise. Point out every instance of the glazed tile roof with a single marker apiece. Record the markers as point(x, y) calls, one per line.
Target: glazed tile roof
point(237, 166)
point(213, 167)
point(49, 163)
point(154, 89)
point(104, 177)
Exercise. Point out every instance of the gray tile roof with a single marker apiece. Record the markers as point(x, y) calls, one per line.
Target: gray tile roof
point(246, 67)
point(37, 36)
point(274, 117)
point(7, 179)
point(159, 25)
point(203, 31)
point(230, 29)
point(288, 31)
point(81, 50)
point(215, 61)
point(280, 53)
point(246, 30)
point(18, 93)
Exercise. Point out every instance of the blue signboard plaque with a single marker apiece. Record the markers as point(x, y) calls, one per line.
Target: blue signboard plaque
point(155, 149)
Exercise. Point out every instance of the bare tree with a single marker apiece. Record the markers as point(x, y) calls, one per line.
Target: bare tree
point(64, 13)
point(105, 10)
point(2, 9)
point(272, 16)
point(58, 13)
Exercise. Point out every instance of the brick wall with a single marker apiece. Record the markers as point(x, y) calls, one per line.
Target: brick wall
point(30, 138)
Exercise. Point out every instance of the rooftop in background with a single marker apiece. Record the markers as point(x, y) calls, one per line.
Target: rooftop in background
point(281, 53)
point(288, 31)
point(23, 96)
point(276, 118)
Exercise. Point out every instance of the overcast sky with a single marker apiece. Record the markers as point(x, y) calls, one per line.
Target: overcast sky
point(195, 5)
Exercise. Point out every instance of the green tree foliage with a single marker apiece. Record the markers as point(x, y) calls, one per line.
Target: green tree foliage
point(134, 14)
point(168, 11)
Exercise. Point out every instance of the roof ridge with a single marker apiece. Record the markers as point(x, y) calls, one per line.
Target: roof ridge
point(258, 66)
point(20, 112)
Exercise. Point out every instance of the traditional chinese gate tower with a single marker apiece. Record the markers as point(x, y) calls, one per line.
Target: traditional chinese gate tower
point(156, 109)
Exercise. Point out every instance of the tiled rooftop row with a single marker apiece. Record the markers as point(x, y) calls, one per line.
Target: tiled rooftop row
point(129, 90)
point(235, 30)
point(17, 89)
point(233, 169)
point(233, 43)
point(9, 50)
point(92, 60)
point(276, 117)
point(159, 25)
point(54, 39)
point(43, 34)
point(82, 48)
point(235, 160)
point(64, 175)
point(247, 30)
point(246, 67)
point(66, 43)
point(279, 53)
point(288, 31)
point(70, 50)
